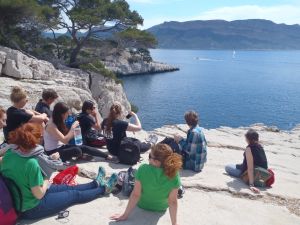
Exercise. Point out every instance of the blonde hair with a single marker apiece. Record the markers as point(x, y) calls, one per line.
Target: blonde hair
point(17, 94)
point(170, 162)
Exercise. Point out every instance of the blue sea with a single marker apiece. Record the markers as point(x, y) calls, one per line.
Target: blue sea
point(227, 88)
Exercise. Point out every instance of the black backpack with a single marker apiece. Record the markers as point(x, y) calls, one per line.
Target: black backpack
point(171, 142)
point(129, 151)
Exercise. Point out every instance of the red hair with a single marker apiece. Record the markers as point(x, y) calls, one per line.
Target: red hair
point(171, 162)
point(26, 136)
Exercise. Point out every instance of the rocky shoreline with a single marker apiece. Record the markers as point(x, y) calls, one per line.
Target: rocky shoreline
point(212, 197)
point(123, 65)
point(126, 69)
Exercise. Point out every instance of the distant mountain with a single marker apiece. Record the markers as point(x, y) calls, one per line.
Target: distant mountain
point(221, 34)
point(109, 34)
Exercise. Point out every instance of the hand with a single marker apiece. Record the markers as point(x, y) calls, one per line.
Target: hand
point(55, 156)
point(118, 217)
point(46, 119)
point(254, 190)
point(132, 113)
point(75, 124)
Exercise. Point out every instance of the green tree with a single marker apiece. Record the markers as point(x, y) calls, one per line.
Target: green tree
point(135, 38)
point(83, 19)
point(21, 20)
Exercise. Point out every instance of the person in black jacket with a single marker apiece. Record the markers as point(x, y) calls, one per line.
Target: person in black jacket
point(90, 124)
point(254, 156)
point(115, 128)
point(48, 97)
point(17, 115)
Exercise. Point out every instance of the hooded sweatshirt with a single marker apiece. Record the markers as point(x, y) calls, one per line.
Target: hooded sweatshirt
point(47, 164)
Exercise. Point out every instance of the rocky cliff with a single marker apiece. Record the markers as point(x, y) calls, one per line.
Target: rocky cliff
point(124, 63)
point(73, 85)
point(212, 197)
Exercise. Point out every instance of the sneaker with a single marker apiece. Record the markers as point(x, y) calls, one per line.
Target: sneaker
point(180, 193)
point(111, 183)
point(101, 176)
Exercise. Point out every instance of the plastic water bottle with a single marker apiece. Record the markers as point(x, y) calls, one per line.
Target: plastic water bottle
point(77, 136)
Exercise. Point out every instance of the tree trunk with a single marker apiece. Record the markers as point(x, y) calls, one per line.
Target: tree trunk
point(73, 56)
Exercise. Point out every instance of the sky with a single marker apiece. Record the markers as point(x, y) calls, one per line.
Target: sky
point(158, 11)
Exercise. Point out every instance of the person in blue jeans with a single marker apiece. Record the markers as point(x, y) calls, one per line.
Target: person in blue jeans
point(39, 198)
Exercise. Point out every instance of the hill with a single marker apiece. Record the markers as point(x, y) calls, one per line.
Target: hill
point(221, 34)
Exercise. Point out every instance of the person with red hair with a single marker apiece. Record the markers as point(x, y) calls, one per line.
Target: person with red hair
point(156, 184)
point(40, 199)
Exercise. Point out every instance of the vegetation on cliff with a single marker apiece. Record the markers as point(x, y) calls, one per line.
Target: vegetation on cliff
point(23, 24)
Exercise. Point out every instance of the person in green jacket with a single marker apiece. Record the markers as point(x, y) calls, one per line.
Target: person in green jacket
point(156, 184)
point(39, 197)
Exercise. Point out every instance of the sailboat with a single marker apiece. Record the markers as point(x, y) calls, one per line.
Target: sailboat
point(233, 54)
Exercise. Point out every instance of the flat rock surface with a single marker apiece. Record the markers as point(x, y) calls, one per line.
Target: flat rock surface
point(211, 197)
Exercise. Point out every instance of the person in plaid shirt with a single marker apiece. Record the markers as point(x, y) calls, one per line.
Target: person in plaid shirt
point(194, 147)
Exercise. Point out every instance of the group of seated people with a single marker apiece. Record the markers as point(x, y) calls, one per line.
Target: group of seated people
point(156, 184)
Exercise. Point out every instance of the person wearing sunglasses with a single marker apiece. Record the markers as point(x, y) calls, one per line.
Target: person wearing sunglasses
point(17, 115)
point(90, 124)
point(156, 184)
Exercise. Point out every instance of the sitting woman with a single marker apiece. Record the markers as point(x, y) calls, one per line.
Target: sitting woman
point(194, 147)
point(39, 198)
point(89, 121)
point(115, 129)
point(16, 115)
point(254, 156)
point(57, 136)
point(156, 184)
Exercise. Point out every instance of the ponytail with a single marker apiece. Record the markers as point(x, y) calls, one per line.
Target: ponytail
point(170, 162)
point(114, 112)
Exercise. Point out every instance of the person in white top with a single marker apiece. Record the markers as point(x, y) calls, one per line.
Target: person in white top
point(57, 137)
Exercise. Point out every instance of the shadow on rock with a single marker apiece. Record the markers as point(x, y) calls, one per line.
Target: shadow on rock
point(140, 216)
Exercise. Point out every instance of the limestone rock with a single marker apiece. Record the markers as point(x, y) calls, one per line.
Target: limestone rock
point(2, 60)
point(73, 85)
point(212, 197)
point(106, 91)
point(123, 65)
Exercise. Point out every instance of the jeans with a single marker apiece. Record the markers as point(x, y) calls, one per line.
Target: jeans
point(66, 152)
point(233, 171)
point(60, 197)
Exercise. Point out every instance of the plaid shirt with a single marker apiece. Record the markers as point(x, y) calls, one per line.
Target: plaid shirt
point(194, 149)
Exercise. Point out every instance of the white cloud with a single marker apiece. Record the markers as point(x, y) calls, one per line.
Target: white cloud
point(288, 14)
